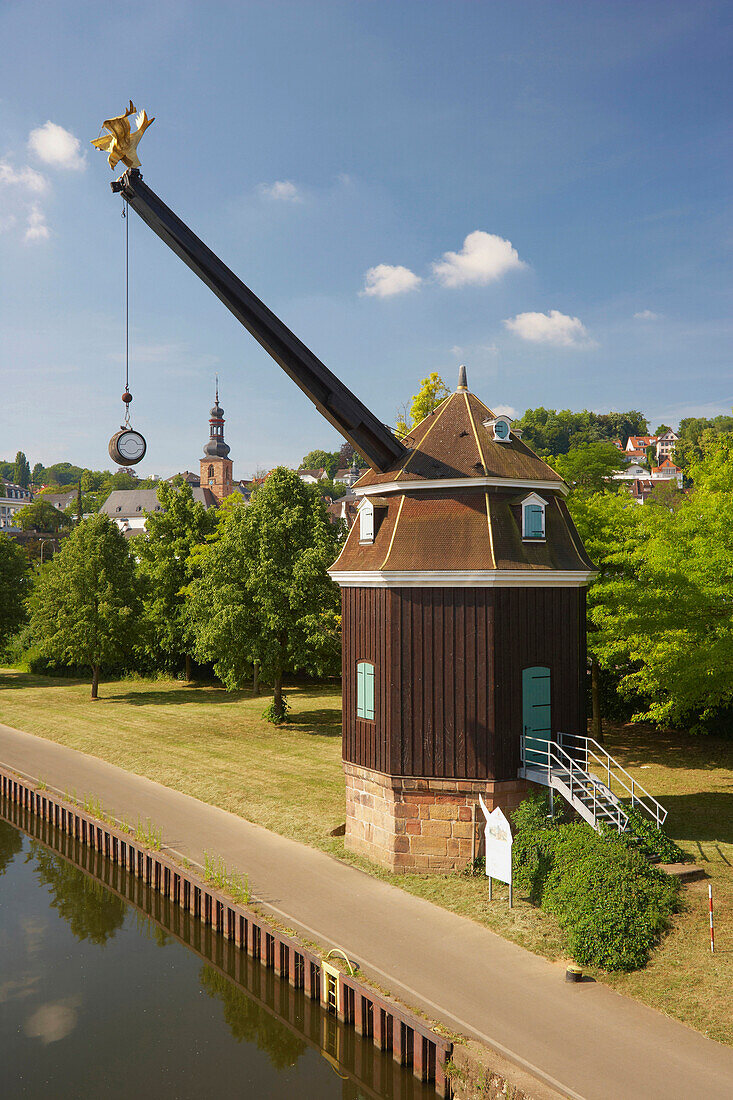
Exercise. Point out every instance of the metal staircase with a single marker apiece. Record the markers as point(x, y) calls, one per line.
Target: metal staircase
point(564, 764)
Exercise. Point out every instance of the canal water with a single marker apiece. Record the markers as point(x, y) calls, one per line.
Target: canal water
point(108, 989)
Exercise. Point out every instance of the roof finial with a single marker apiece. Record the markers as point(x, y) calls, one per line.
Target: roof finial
point(462, 383)
point(217, 388)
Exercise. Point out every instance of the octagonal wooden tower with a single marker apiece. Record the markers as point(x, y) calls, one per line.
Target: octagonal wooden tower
point(463, 599)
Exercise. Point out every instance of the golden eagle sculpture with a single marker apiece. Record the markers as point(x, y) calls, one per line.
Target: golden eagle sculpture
point(121, 142)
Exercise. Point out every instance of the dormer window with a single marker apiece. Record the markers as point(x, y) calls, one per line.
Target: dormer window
point(501, 427)
point(533, 518)
point(366, 522)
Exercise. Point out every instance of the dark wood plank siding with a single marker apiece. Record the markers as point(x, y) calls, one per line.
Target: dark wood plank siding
point(537, 626)
point(366, 637)
point(448, 666)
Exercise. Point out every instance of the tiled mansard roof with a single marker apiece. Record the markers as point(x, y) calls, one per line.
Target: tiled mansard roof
point(429, 527)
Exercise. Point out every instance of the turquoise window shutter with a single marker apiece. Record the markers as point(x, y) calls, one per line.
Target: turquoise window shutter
point(369, 691)
point(533, 521)
point(365, 690)
point(360, 691)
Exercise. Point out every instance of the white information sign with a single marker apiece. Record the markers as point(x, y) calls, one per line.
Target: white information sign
point(498, 838)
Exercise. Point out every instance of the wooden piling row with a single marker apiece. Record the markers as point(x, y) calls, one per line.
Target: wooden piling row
point(389, 1025)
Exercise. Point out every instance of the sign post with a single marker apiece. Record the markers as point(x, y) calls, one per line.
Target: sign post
point(498, 842)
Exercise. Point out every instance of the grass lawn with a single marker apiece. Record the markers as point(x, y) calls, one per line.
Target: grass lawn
point(215, 746)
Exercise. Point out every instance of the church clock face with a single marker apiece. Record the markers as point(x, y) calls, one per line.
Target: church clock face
point(127, 447)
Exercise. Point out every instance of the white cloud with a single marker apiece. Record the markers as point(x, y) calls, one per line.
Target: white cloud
point(646, 315)
point(504, 410)
point(552, 327)
point(57, 147)
point(36, 229)
point(483, 259)
point(25, 178)
point(281, 190)
point(384, 280)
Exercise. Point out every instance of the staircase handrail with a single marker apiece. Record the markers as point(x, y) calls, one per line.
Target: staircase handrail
point(611, 766)
point(578, 776)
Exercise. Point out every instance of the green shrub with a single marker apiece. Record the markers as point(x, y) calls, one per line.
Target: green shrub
point(653, 842)
point(612, 905)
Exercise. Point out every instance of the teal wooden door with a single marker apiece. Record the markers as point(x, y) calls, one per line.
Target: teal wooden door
point(536, 712)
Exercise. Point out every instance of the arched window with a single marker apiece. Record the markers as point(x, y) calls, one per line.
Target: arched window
point(211, 472)
point(365, 690)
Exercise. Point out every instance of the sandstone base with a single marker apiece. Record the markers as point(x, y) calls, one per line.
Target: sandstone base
point(420, 824)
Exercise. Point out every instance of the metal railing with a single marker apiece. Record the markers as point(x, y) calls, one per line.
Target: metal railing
point(564, 770)
point(589, 753)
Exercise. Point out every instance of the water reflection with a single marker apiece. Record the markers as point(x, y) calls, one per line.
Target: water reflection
point(10, 845)
point(146, 1013)
point(249, 1021)
point(93, 913)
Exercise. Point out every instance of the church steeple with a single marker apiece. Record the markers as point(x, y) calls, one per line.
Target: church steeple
point(216, 466)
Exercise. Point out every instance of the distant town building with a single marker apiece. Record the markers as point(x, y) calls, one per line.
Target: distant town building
point(127, 507)
point(631, 472)
point(666, 445)
point(12, 498)
point(59, 500)
point(348, 476)
point(190, 479)
point(312, 477)
point(667, 471)
point(216, 465)
point(344, 508)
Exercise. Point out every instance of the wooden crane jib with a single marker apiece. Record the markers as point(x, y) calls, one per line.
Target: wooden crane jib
point(334, 401)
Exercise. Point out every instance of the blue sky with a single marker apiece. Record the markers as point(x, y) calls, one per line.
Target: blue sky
point(539, 190)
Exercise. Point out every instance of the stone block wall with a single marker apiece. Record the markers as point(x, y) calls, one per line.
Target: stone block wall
point(421, 825)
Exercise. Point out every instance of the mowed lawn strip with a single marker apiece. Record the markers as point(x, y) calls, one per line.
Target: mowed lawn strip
point(215, 746)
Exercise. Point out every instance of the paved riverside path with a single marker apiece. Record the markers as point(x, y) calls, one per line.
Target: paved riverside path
point(585, 1039)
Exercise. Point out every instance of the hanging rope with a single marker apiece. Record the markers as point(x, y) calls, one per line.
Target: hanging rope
point(126, 397)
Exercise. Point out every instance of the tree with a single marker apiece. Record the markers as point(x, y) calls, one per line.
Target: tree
point(39, 475)
point(667, 617)
point(589, 466)
point(696, 436)
point(63, 473)
point(552, 432)
point(348, 457)
point(263, 592)
point(662, 429)
point(41, 516)
point(249, 1021)
point(85, 606)
point(14, 586)
point(93, 912)
point(316, 460)
point(432, 392)
point(609, 525)
point(21, 470)
point(164, 553)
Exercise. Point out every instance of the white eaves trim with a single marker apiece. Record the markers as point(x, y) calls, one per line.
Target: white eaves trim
point(459, 578)
point(460, 483)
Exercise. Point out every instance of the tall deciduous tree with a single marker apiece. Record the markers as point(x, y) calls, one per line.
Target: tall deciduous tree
point(666, 615)
point(164, 553)
point(432, 391)
point(610, 525)
point(316, 460)
point(22, 470)
point(85, 605)
point(41, 516)
point(554, 432)
point(589, 466)
point(263, 592)
point(14, 586)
